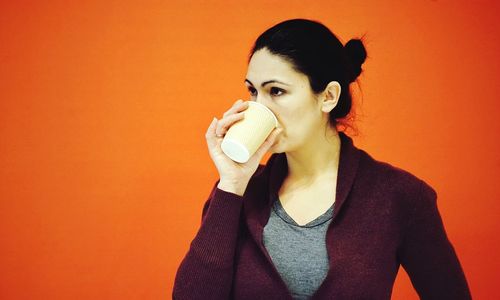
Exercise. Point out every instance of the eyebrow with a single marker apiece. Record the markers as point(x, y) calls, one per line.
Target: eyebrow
point(266, 82)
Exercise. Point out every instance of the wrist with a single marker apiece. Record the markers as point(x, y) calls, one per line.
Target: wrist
point(232, 187)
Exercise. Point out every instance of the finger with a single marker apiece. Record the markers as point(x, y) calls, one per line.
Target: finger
point(238, 106)
point(210, 134)
point(235, 108)
point(224, 124)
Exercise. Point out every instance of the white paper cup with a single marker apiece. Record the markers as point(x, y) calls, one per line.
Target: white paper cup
point(246, 136)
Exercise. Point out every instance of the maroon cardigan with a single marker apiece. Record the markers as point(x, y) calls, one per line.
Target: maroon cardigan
point(383, 217)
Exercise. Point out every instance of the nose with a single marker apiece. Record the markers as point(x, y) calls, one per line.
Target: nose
point(260, 99)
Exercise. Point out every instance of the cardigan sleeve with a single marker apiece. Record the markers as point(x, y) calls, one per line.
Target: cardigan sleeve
point(206, 272)
point(428, 256)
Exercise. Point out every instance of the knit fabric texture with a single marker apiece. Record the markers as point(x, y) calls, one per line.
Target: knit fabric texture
point(384, 217)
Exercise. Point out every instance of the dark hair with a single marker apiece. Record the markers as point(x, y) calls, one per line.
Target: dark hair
point(315, 51)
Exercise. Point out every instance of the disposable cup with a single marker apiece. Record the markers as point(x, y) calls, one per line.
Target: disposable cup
point(246, 136)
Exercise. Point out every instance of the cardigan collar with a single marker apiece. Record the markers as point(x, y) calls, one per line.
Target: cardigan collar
point(348, 163)
point(275, 172)
point(257, 205)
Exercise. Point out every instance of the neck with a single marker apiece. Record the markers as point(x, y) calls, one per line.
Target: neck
point(318, 158)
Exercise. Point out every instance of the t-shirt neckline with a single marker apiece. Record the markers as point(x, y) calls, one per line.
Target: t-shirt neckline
point(281, 212)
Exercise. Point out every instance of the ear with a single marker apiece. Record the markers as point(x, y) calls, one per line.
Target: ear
point(331, 96)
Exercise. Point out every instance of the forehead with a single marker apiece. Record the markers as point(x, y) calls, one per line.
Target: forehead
point(265, 66)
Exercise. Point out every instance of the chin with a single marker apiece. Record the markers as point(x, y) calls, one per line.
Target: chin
point(276, 149)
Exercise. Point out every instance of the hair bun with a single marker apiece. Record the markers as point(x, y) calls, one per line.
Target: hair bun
point(357, 55)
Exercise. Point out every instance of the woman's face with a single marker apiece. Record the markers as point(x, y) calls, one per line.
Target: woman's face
point(272, 81)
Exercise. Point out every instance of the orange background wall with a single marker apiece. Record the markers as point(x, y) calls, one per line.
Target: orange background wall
point(104, 105)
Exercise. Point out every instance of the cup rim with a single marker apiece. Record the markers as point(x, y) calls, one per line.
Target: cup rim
point(267, 108)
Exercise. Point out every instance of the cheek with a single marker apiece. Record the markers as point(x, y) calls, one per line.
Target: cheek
point(294, 122)
point(301, 127)
point(294, 117)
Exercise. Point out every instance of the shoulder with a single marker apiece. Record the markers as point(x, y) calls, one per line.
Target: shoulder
point(392, 178)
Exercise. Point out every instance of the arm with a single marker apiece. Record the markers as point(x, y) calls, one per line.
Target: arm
point(206, 272)
point(428, 256)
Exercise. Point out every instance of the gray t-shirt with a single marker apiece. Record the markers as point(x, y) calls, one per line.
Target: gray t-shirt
point(298, 252)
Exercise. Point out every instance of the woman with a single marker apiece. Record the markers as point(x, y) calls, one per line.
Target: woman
point(322, 219)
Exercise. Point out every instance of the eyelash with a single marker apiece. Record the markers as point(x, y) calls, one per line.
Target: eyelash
point(252, 91)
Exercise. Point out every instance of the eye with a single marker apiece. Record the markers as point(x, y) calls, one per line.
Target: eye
point(277, 91)
point(252, 91)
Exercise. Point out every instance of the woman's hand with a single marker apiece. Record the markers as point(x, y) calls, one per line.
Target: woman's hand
point(234, 177)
